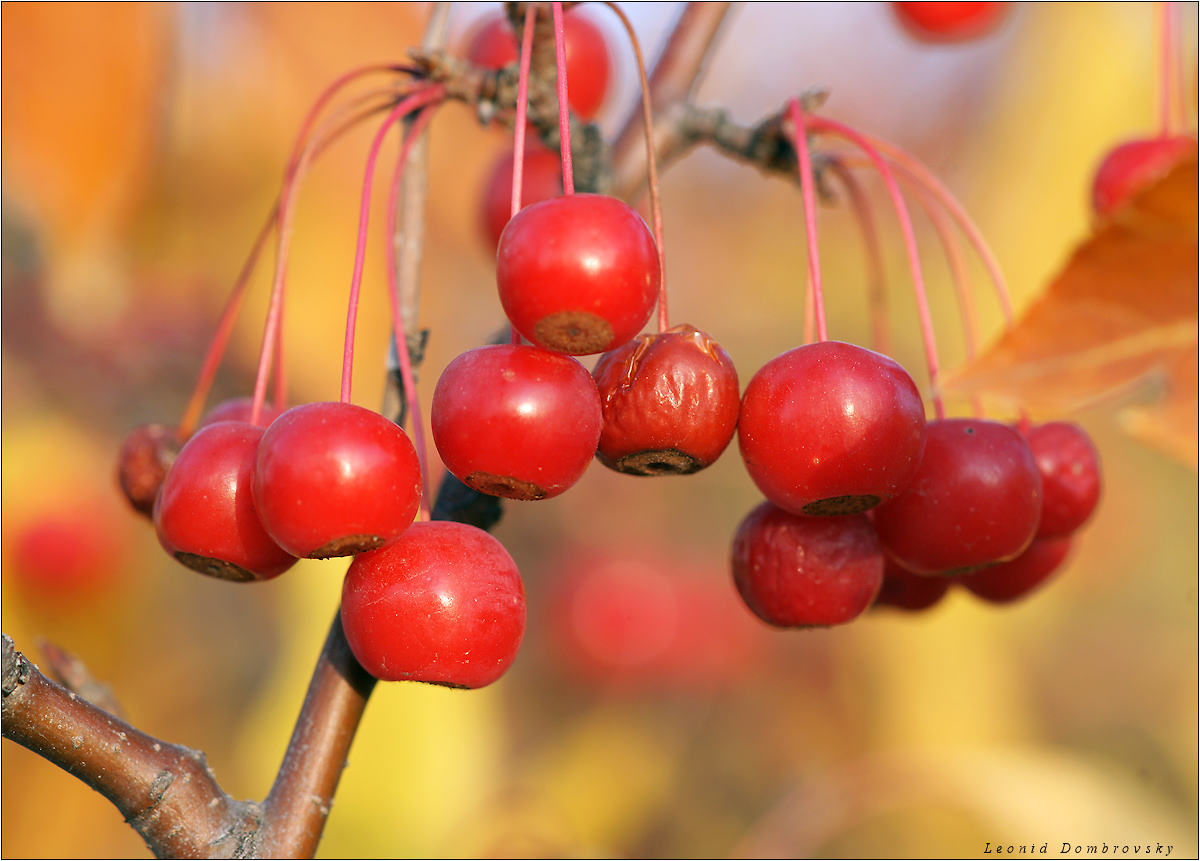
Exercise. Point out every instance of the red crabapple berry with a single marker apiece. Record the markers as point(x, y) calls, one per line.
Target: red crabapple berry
point(831, 428)
point(205, 515)
point(670, 403)
point(335, 479)
point(493, 45)
point(796, 571)
point(145, 457)
point(516, 421)
point(578, 274)
point(443, 605)
point(907, 591)
point(1009, 581)
point(1070, 469)
point(1135, 165)
point(541, 180)
point(976, 500)
point(949, 21)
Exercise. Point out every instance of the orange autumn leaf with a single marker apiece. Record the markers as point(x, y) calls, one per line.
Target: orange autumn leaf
point(1124, 309)
point(82, 101)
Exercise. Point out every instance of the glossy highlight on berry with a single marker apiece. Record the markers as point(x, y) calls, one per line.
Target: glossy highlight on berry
point(831, 428)
point(205, 514)
point(335, 479)
point(444, 605)
point(578, 274)
point(516, 421)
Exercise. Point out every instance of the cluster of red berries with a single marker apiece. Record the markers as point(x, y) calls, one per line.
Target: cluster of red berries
point(432, 601)
point(988, 505)
point(867, 502)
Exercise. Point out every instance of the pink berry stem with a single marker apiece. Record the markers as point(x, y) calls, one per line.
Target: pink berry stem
point(961, 279)
point(301, 152)
point(399, 327)
point(651, 165)
point(823, 124)
point(318, 140)
point(519, 129)
point(955, 259)
point(809, 197)
point(358, 110)
point(564, 109)
point(810, 308)
point(419, 99)
point(522, 109)
point(922, 177)
point(233, 304)
point(224, 330)
point(877, 303)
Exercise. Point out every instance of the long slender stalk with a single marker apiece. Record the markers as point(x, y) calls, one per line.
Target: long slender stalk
point(877, 303)
point(809, 197)
point(399, 324)
point(415, 101)
point(823, 124)
point(651, 165)
point(564, 107)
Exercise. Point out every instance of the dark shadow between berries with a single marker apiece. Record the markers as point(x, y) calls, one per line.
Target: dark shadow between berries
point(838, 505)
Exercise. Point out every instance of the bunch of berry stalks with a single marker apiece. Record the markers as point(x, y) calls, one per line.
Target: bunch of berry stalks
point(247, 489)
point(866, 501)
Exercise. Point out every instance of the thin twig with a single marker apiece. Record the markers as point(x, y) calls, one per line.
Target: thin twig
point(674, 79)
point(73, 674)
point(166, 792)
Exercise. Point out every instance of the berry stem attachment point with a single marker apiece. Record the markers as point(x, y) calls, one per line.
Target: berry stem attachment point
point(413, 102)
point(651, 164)
point(866, 144)
point(877, 303)
point(518, 173)
point(220, 340)
point(564, 109)
point(808, 194)
point(924, 178)
point(399, 328)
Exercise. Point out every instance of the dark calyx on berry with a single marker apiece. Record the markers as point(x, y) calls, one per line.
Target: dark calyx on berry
point(504, 485)
point(660, 462)
point(347, 546)
point(215, 567)
point(577, 333)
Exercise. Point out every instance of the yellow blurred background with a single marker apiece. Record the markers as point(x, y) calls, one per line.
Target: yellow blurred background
point(142, 147)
